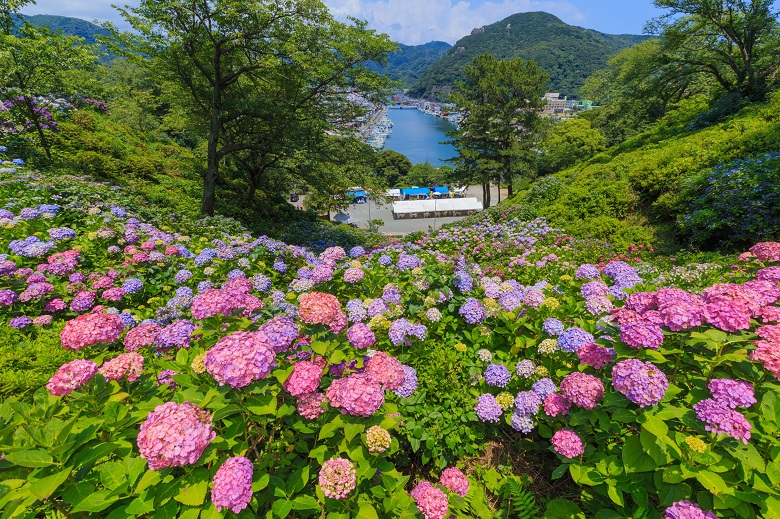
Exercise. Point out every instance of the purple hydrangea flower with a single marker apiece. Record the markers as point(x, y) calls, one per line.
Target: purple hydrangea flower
point(497, 375)
point(487, 408)
point(473, 311)
point(552, 326)
point(572, 339)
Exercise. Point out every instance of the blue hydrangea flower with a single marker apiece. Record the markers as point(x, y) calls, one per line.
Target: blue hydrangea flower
point(497, 375)
point(572, 339)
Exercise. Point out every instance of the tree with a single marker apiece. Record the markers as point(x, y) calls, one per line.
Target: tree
point(8, 12)
point(393, 166)
point(34, 65)
point(344, 164)
point(222, 53)
point(728, 40)
point(567, 143)
point(426, 175)
point(500, 102)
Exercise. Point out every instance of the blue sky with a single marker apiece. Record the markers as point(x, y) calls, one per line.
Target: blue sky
point(419, 21)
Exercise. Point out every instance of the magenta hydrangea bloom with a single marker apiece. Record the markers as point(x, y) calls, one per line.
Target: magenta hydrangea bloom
point(595, 355)
point(733, 393)
point(360, 336)
point(239, 359)
point(568, 443)
point(89, 329)
point(729, 316)
point(212, 302)
point(358, 394)
point(582, 389)
point(126, 364)
point(175, 435)
point(720, 419)
point(431, 501)
point(337, 478)
point(233, 484)
point(767, 250)
point(556, 404)
point(142, 336)
point(71, 376)
point(455, 481)
point(310, 405)
point(687, 510)
point(305, 378)
point(641, 382)
point(642, 335)
point(386, 370)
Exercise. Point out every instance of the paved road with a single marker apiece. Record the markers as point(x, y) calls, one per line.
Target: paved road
point(372, 211)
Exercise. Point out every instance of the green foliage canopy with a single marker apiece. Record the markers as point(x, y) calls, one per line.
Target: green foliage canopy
point(500, 102)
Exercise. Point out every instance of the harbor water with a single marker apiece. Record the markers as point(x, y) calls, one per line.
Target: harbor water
point(419, 136)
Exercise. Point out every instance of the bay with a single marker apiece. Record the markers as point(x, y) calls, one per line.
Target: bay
point(419, 135)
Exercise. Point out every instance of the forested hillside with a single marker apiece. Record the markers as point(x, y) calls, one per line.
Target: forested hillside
point(66, 25)
point(569, 54)
point(410, 62)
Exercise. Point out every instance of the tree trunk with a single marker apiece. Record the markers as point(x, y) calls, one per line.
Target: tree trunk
point(252, 188)
point(509, 191)
point(36, 120)
point(212, 168)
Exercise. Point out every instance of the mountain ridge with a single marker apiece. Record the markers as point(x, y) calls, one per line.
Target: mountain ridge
point(68, 25)
point(568, 53)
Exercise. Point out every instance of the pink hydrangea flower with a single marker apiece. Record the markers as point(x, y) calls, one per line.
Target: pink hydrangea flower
point(305, 378)
point(174, 435)
point(337, 478)
point(320, 308)
point(142, 336)
point(556, 404)
point(687, 510)
point(642, 335)
point(239, 359)
point(130, 364)
point(353, 275)
point(766, 251)
point(568, 443)
point(455, 481)
point(233, 484)
point(212, 302)
point(729, 316)
point(386, 370)
point(360, 336)
point(720, 419)
point(357, 394)
point(582, 389)
point(595, 355)
point(431, 501)
point(768, 352)
point(733, 393)
point(71, 376)
point(89, 329)
point(310, 405)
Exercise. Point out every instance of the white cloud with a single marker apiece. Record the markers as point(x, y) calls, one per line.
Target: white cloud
point(420, 21)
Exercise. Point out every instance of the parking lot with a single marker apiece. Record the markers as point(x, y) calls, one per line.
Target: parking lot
point(372, 211)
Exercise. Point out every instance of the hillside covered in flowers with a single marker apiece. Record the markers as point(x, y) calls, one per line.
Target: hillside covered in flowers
point(155, 367)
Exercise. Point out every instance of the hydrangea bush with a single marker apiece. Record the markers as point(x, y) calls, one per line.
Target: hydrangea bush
point(211, 373)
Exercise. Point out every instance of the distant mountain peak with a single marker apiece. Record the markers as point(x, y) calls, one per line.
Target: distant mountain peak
point(568, 53)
